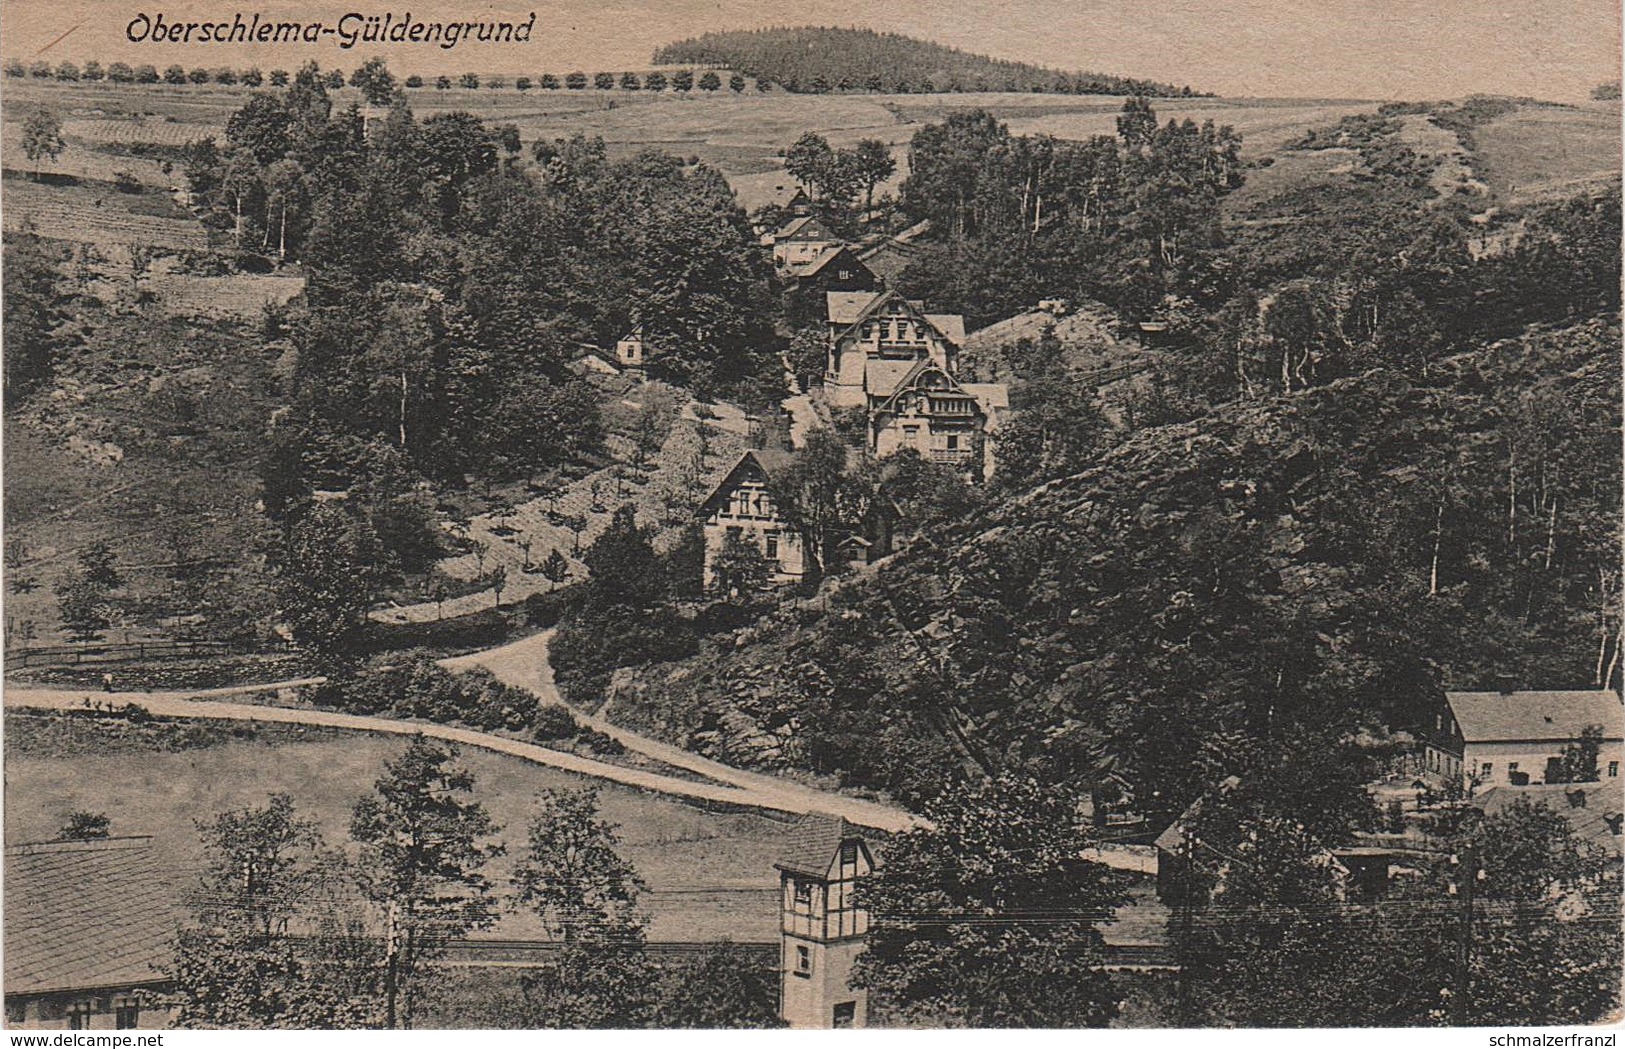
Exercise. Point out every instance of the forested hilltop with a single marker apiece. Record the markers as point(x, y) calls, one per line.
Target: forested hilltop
point(818, 59)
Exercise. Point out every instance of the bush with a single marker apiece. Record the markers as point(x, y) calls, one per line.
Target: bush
point(554, 723)
point(601, 744)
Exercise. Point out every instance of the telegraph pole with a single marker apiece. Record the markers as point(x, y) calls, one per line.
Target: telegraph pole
point(1187, 914)
point(1465, 885)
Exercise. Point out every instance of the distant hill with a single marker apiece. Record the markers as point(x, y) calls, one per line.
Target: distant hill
point(816, 60)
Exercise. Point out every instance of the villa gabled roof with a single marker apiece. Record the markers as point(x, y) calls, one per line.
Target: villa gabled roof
point(917, 369)
point(852, 308)
point(772, 464)
point(951, 325)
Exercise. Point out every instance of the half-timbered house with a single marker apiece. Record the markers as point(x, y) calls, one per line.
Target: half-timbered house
point(821, 926)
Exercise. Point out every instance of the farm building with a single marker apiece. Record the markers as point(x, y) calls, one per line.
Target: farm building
point(1596, 811)
point(1515, 738)
point(87, 933)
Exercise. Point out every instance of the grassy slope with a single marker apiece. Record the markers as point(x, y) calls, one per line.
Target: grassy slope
point(149, 439)
point(53, 769)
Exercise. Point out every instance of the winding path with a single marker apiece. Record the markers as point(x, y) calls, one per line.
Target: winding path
point(523, 664)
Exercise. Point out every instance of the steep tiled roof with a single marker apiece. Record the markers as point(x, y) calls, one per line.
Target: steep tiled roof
point(81, 915)
point(1488, 717)
point(951, 325)
point(881, 376)
point(813, 843)
point(989, 395)
point(772, 463)
point(845, 307)
point(1594, 819)
point(824, 258)
point(807, 227)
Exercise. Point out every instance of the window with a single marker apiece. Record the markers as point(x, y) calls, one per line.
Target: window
point(953, 442)
point(846, 1013)
point(803, 891)
point(1486, 768)
point(127, 1017)
point(1512, 766)
point(1613, 769)
point(773, 547)
point(846, 275)
point(849, 854)
point(16, 1010)
point(803, 961)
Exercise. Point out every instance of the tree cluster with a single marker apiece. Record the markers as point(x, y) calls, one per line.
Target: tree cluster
point(1131, 220)
point(820, 60)
point(286, 932)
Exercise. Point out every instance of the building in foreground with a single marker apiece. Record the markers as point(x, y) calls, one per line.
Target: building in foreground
point(821, 929)
point(88, 927)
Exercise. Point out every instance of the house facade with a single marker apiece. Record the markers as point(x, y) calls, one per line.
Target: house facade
point(630, 349)
point(934, 415)
point(743, 505)
point(821, 928)
point(87, 935)
point(1517, 738)
point(801, 241)
point(899, 363)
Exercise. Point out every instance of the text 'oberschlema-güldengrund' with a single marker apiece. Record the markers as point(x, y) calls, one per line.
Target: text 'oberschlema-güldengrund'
point(346, 31)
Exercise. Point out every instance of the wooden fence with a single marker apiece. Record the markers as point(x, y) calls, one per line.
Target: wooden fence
point(98, 652)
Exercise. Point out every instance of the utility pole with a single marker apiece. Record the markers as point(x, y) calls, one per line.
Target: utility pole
point(1465, 885)
point(1187, 916)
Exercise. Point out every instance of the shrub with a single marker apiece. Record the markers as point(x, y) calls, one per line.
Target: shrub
point(554, 723)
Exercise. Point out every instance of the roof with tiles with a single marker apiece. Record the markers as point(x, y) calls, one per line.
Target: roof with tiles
point(86, 914)
point(1506, 717)
point(814, 843)
point(807, 227)
point(1592, 809)
point(846, 307)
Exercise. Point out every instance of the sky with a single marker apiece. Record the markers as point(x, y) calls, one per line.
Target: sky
point(1411, 49)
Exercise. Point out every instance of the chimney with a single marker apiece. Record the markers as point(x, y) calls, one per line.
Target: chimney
point(1506, 684)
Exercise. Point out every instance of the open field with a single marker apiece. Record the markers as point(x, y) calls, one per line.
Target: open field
point(1546, 151)
point(710, 874)
point(1535, 150)
point(96, 213)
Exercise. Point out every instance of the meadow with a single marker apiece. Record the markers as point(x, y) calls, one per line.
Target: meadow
point(710, 873)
